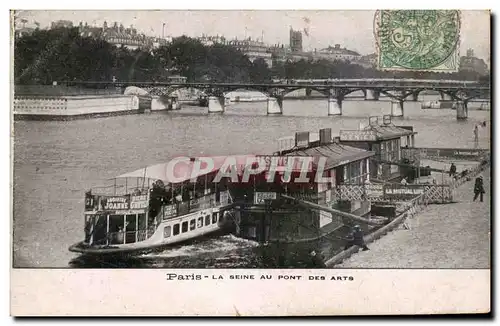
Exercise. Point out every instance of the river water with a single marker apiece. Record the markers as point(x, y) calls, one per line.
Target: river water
point(56, 161)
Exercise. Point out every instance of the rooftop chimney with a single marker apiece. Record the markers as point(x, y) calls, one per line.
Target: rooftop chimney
point(387, 119)
point(325, 136)
point(302, 139)
point(373, 121)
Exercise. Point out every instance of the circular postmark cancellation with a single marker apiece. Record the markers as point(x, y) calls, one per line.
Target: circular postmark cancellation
point(416, 39)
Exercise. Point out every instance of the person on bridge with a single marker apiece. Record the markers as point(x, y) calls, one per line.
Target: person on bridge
point(479, 189)
point(356, 238)
point(453, 169)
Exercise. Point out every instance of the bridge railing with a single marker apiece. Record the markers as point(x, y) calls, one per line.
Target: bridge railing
point(470, 154)
point(294, 83)
point(62, 90)
point(395, 192)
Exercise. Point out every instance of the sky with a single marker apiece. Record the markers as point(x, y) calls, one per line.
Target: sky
point(352, 29)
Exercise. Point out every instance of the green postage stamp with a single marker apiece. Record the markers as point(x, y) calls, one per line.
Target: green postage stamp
point(420, 40)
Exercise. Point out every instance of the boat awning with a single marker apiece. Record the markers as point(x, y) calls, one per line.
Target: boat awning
point(182, 169)
point(336, 154)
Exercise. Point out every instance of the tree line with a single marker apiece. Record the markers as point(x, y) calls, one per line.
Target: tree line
point(62, 54)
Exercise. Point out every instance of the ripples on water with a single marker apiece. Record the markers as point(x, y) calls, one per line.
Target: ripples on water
point(56, 161)
point(227, 251)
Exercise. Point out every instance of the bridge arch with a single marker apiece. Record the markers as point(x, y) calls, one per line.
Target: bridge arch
point(455, 94)
point(207, 91)
point(169, 90)
point(286, 91)
point(256, 88)
point(352, 90)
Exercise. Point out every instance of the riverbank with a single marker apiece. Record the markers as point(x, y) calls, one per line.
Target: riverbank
point(441, 236)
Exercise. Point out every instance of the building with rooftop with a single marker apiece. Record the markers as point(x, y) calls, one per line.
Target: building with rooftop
point(208, 40)
point(337, 53)
point(61, 24)
point(368, 61)
point(472, 63)
point(385, 139)
point(119, 35)
point(253, 49)
point(295, 40)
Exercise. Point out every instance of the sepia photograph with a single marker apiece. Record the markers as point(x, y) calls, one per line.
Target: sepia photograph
point(251, 139)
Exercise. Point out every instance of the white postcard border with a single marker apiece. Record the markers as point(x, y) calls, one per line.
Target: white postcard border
point(202, 292)
point(128, 292)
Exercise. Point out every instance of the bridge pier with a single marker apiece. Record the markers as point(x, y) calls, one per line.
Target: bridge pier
point(462, 110)
point(397, 108)
point(174, 103)
point(414, 97)
point(372, 95)
point(274, 105)
point(216, 104)
point(334, 106)
point(203, 101)
point(158, 104)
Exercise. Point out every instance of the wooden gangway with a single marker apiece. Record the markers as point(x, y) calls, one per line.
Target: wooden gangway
point(318, 207)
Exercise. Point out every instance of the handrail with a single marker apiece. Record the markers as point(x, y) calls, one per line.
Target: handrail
point(330, 210)
point(193, 205)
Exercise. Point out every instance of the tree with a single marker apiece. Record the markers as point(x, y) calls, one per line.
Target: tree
point(260, 72)
point(62, 54)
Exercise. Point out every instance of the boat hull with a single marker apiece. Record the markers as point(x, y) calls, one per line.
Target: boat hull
point(158, 240)
point(82, 248)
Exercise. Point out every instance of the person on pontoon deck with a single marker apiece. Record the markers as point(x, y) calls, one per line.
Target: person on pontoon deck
point(356, 238)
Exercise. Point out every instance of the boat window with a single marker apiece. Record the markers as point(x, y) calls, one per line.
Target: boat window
point(214, 217)
point(184, 227)
point(116, 229)
point(99, 235)
point(200, 222)
point(192, 224)
point(207, 220)
point(252, 232)
point(166, 231)
point(142, 222)
point(89, 226)
point(130, 228)
point(115, 223)
point(176, 229)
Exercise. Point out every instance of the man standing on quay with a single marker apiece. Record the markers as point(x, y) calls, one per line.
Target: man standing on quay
point(478, 189)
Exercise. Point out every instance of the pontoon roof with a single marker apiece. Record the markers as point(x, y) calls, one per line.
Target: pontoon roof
point(375, 133)
point(336, 154)
point(390, 131)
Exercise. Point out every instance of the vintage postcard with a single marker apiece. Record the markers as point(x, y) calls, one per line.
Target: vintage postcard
point(254, 163)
